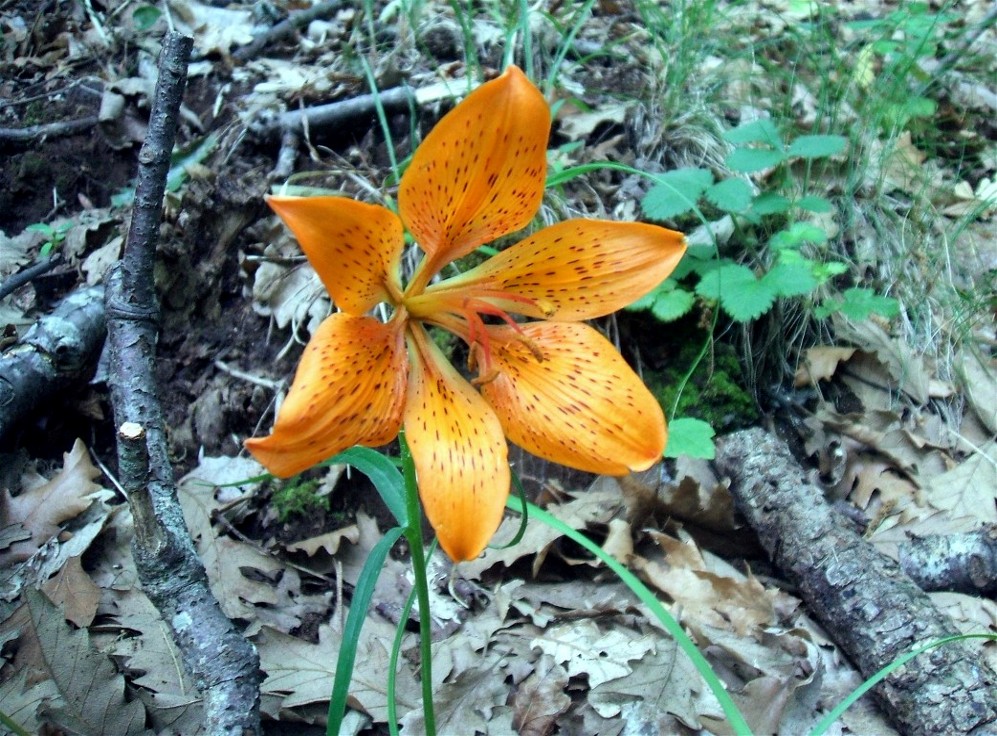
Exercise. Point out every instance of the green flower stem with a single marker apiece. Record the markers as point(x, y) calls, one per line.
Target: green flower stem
point(413, 533)
point(734, 718)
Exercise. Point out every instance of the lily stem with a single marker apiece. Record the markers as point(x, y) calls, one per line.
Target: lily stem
point(413, 533)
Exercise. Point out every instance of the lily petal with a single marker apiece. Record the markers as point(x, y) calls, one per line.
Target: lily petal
point(355, 248)
point(575, 270)
point(480, 172)
point(459, 451)
point(581, 406)
point(349, 389)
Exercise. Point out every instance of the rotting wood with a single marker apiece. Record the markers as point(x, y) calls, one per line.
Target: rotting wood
point(224, 665)
point(867, 604)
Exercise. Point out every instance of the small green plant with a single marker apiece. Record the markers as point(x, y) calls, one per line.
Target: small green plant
point(54, 236)
point(774, 217)
point(298, 498)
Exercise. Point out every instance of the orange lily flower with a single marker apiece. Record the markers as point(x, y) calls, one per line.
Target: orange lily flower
point(554, 386)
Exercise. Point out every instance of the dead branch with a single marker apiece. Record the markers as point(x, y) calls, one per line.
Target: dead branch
point(29, 274)
point(287, 28)
point(59, 351)
point(333, 114)
point(867, 604)
point(962, 563)
point(224, 665)
point(24, 136)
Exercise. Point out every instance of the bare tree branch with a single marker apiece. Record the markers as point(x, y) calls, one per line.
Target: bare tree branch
point(871, 609)
point(224, 665)
point(287, 28)
point(55, 354)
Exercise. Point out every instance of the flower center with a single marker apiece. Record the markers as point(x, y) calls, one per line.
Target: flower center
point(464, 316)
point(479, 340)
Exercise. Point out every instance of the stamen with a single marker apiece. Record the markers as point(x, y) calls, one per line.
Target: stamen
point(480, 354)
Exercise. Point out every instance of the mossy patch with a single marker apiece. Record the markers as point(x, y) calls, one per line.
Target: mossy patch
point(298, 499)
point(716, 390)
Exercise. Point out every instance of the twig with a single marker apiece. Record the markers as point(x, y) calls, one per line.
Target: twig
point(224, 665)
point(870, 608)
point(17, 280)
point(56, 353)
point(23, 136)
point(287, 28)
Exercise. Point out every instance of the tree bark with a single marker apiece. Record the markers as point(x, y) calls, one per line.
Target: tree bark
point(58, 352)
point(224, 665)
point(868, 605)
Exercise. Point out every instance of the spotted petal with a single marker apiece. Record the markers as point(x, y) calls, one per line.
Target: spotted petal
point(460, 454)
point(582, 406)
point(480, 172)
point(349, 389)
point(354, 247)
point(575, 270)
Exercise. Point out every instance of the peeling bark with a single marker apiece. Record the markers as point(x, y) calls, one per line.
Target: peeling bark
point(58, 352)
point(867, 604)
point(224, 665)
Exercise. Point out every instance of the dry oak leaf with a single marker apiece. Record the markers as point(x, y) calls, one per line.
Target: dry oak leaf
point(708, 590)
point(585, 650)
point(41, 509)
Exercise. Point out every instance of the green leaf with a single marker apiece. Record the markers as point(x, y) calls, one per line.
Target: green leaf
point(770, 203)
point(757, 131)
point(747, 160)
point(730, 195)
point(362, 594)
point(675, 193)
point(920, 107)
point(791, 279)
point(815, 204)
point(859, 303)
point(672, 305)
point(145, 17)
point(41, 227)
point(690, 437)
point(739, 293)
point(796, 235)
point(817, 146)
point(382, 473)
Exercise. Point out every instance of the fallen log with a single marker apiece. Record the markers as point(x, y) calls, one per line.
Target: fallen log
point(869, 607)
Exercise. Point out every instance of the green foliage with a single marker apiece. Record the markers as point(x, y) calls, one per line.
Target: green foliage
point(54, 236)
point(884, 68)
point(781, 270)
point(145, 17)
point(298, 498)
point(858, 304)
point(691, 437)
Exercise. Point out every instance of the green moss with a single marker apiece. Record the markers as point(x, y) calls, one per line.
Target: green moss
point(298, 499)
point(714, 393)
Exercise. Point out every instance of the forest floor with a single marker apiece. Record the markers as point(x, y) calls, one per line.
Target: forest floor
point(879, 371)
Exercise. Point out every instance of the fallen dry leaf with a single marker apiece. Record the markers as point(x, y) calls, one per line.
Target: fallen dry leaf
point(586, 650)
point(541, 699)
point(75, 592)
point(41, 509)
point(820, 364)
